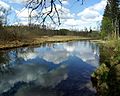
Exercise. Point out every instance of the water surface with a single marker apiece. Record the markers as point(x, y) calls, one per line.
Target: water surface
point(56, 69)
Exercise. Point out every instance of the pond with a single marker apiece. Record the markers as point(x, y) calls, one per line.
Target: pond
point(54, 69)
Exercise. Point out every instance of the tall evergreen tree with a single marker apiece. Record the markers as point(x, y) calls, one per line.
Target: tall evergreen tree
point(106, 27)
point(111, 18)
point(114, 4)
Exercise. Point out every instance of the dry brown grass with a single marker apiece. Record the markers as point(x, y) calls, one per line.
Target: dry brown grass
point(37, 41)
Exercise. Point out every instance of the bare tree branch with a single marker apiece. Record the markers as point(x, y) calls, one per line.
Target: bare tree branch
point(42, 5)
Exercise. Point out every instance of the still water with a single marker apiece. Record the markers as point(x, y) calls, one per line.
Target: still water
point(56, 69)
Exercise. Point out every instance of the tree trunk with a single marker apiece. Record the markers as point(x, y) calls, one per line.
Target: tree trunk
point(119, 27)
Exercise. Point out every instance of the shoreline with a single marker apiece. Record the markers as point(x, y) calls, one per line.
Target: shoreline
point(40, 40)
point(99, 41)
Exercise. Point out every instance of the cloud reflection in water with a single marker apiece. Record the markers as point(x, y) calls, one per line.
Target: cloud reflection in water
point(86, 51)
point(33, 72)
point(53, 70)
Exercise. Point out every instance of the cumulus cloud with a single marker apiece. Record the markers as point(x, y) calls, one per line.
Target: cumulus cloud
point(21, 1)
point(86, 18)
point(4, 5)
point(64, 13)
point(93, 13)
point(99, 6)
point(23, 15)
point(71, 22)
point(65, 2)
point(90, 15)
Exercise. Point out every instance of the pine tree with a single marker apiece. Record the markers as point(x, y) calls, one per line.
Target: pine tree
point(106, 28)
point(114, 7)
point(111, 18)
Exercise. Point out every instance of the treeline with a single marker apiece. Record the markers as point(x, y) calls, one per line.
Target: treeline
point(11, 33)
point(111, 19)
point(25, 32)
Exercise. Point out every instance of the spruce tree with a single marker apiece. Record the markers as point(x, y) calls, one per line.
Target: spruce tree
point(111, 18)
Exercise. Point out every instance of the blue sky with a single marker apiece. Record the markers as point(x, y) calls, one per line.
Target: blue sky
point(73, 15)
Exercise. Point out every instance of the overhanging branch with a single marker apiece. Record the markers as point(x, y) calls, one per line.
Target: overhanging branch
point(45, 9)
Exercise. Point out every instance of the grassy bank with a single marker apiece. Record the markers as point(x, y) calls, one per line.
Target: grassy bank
point(20, 36)
point(39, 40)
point(106, 78)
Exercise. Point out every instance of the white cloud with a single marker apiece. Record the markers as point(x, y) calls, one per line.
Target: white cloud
point(20, 1)
point(90, 15)
point(63, 12)
point(71, 22)
point(99, 6)
point(87, 18)
point(4, 5)
point(93, 13)
point(65, 2)
point(23, 15)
